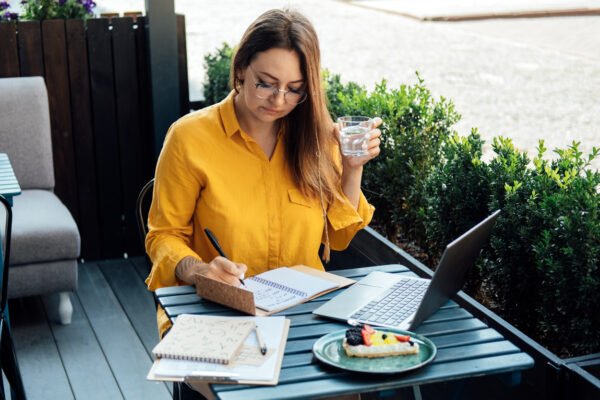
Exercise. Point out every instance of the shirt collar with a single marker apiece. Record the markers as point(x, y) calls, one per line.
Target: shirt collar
point(227, 110)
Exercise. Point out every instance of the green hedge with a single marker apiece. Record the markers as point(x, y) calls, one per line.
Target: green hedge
point(540, 269)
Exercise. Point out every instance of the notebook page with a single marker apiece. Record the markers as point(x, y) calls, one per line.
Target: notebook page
point(283, 287)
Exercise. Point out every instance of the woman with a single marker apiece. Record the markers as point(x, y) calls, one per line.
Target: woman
point(262, 169)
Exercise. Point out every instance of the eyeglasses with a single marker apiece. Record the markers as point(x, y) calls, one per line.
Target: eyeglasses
point(265, 90)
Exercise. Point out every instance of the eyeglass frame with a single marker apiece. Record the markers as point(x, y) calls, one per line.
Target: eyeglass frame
point(275, 90)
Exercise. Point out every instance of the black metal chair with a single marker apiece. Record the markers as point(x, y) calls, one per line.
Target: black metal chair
point(142, 206)
point(8, 357)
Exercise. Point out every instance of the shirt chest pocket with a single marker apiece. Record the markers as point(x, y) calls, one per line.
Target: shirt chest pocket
point(296, 197)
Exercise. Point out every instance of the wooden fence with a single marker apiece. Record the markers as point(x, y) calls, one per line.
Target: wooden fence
point(97, 76)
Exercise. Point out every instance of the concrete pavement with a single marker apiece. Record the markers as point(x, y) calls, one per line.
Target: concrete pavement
point(527, 79)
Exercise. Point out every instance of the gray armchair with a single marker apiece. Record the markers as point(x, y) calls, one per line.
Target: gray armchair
point(45, 239)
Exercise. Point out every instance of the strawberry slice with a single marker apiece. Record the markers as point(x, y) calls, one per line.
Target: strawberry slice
point(368, 328)
point(402, 338)
point(366, 337)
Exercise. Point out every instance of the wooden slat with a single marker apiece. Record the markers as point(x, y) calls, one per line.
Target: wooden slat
point(83, 138)
point(148, 154)
point(171, 301)
point(106, 138)
point(30, 48)
point(142, 266)
point(184, 92)
point(9, 58)
point(127, 356)
point(128, 124)
point(298, 345)
point(59, 98)
point(443, 328)
point(478, 350)
point(464, 338)
point(37, 354)
point(175, 290)
point(80, 354)
point(316, 331)
point(134, 297)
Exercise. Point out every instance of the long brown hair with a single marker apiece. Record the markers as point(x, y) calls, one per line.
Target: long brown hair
point(309, 129)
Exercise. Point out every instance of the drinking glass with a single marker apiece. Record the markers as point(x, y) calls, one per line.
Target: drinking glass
point(354, 135)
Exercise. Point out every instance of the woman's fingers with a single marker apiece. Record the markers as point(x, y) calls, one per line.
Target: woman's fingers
point(222, 269)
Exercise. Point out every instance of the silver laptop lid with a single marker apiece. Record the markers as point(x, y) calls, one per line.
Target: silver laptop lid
point(449, 277)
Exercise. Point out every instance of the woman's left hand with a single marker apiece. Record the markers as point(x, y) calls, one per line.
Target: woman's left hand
point(372, 147)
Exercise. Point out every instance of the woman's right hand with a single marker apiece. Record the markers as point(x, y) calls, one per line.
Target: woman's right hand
point(225, 270)
point(220, 268)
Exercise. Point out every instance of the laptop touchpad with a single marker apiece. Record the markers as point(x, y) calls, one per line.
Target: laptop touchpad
point(379, 279)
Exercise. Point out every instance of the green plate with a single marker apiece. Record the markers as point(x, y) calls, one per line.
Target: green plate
point(329, 350)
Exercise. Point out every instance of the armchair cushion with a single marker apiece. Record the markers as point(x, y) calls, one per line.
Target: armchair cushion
point(25, 131)
point(43, 229)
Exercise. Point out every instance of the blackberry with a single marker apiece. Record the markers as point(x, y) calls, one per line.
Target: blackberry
point(354, 336)
point(354, 340)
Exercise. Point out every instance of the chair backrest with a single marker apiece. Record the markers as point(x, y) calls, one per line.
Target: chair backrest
point(5, 235)
point(142, 207)
point(25, 131)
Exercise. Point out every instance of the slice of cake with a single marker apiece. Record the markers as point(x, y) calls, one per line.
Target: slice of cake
point(364, 341)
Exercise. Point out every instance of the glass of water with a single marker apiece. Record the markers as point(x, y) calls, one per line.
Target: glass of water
point(354, 135)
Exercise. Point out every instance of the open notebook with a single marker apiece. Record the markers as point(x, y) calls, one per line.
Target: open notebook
point(284, 287)
point(271, 291)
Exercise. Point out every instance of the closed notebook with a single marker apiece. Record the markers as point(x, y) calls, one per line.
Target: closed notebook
point(197, 338)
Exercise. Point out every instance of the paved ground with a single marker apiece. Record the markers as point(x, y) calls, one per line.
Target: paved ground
point(527, 79)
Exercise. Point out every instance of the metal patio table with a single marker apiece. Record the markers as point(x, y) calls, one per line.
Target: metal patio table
point(467, 348)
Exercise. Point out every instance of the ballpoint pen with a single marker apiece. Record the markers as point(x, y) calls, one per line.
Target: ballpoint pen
point(213, 240)
point(261, 342)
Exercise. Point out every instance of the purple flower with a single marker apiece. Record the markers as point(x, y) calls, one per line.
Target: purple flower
point(61, 2)
point(24, 1)
point(87, 5)
point(3, 6)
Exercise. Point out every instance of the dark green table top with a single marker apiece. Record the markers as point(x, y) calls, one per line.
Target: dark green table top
point(467, 347)
point(9, 186)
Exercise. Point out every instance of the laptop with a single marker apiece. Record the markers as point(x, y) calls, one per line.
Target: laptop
point(396, 301)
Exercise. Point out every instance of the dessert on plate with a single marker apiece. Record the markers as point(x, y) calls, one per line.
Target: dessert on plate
point(364, 341)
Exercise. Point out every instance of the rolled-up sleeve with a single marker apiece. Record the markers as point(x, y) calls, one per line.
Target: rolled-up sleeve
point(345, 220)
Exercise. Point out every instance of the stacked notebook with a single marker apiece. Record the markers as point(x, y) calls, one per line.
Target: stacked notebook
point(198, 338)
point(221, 349)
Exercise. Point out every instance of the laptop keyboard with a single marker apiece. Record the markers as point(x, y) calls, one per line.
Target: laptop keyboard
point(397, 304)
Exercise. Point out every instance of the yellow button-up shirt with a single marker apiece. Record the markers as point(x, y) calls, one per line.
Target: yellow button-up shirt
point(211, 174)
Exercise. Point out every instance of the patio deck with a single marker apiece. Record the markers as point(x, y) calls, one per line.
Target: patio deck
point(105, 352)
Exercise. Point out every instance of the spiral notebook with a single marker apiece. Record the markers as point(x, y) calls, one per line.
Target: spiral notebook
point(198, 338)
point(271, 291)
point(249, 367)
point(283, 287)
